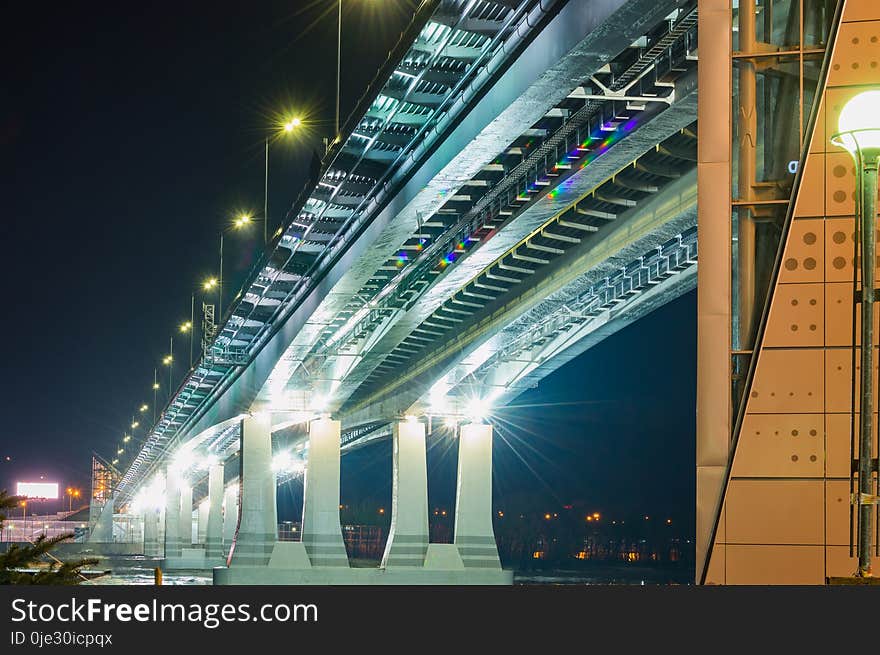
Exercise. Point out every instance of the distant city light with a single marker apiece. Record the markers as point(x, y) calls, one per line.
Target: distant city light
point(47, 490)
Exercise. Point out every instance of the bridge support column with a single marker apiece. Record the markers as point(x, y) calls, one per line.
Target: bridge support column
point(230, 516)
point(258, 523)
point(186, 515)
point(408, 538)
point(152, 548)
point(321, 530)
point(213, 516)
point(202, 522)
point(474, 534)
point(172, 513)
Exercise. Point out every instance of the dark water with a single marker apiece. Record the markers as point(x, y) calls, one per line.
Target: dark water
point(138, 570)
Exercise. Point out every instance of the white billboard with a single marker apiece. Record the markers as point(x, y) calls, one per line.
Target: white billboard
point(48, 490)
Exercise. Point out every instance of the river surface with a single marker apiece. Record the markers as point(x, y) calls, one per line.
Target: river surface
point(137, 570)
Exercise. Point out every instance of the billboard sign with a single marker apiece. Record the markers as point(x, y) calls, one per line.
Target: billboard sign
point(45, 490)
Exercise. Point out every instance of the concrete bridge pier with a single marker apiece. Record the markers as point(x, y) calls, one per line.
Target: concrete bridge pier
point(172, 513)
point(152, 547)
point(321, 530)
point(214, 516)
point(474, 534)
point(202, 522)
point(186, 522)
point(258, 520)
point(230, 516)
point(407, 542)
point(179, 520)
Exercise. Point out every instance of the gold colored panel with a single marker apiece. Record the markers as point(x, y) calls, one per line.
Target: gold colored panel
point(715, 573)
point(861, 10)
point(837, 512)
point(838, 380)
point(856, 57)
point(714, 80)
point(796, 316)
point(788, 381)
point(839, 249)
point(838, 563)
point(811, 193)
point(837, 444)
point(782, 565)
point(840, 185)
point(775, 511)
point(803, 260)
point(838, 315)
point(710, 483)
point(780, 445)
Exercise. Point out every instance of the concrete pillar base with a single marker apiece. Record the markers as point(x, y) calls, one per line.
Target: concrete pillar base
point(474, 534)
point(191, 558)
point(214, 514)
point(408, 538)
point(258, 522)
point(321, 530)
point(444, 557)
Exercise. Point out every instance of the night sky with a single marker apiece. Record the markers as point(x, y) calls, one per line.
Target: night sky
point(130, 134)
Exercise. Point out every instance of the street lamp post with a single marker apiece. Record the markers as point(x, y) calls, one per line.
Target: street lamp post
point(169, 362)
point(288, 127)
point(189, 327)
point(155, 392)
point(338, 61)
point(220, 283)
point(859, 134)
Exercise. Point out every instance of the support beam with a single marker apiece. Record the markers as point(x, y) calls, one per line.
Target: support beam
point(258, 522)
point(214, 523)
point(230, 516)
point(152, 547)
point(186, 514)
point(408, 537)
point(172, 512)
point(202, 522)
point(321, 530)
point(474, 534)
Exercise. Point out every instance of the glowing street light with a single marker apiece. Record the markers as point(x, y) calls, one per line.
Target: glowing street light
point(859, 134)
point(242, 221)
point(210, 283)
point(144, 407)
point(135, 424)
point(186, 326)
point(71, 494)
point(292, 124)
point(167, 360)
